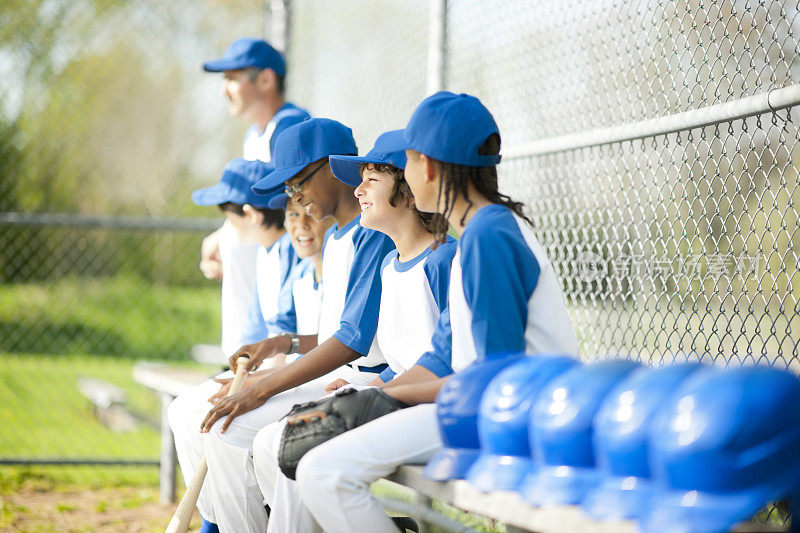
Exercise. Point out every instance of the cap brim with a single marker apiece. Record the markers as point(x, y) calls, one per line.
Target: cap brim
point(221, 65)
point(278, 201)
point(499, 472)
point(218, 194)
point(346, 168)
point(558, 485)
point(618, 498)
point(450, 463)
point(275, 179)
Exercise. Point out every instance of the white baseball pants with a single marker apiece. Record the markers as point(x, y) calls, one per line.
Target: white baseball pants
point(237, 499)
point(332, 489)
point(185, 414)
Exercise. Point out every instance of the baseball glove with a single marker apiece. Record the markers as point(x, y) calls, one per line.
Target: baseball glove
point(312, 423)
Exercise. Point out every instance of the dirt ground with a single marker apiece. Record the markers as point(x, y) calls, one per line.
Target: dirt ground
point(124, 509)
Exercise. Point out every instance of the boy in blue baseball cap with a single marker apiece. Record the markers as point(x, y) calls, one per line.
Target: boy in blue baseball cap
point(414, 281)
point(504, 297)
point(345, 345)
point(251, 222)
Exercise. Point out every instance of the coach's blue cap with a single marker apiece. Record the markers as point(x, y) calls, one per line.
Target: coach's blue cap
point(248, 52)
point(299, 145)
point(450, 128)
point(346, 167)
point(235, 185)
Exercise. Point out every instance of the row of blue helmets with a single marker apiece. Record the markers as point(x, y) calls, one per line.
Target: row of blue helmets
point(681, 448)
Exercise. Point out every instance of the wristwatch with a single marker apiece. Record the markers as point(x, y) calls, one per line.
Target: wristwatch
point(295, 347)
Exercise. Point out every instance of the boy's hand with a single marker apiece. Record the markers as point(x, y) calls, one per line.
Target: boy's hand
point(240, 403)
point(335, 384)
point(260, 351)
point(225, 384)
point(210, 260)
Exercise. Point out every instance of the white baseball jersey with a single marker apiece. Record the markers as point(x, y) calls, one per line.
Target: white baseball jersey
point(259, 144)
point(351, 294)
point(238, 286)
point(413, 296)
point(504, 297)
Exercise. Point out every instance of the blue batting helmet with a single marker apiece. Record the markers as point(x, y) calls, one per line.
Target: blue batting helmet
point(724, 445)
point(457, 409)
point(505, 456)
point(621, 431)
point(561, 432)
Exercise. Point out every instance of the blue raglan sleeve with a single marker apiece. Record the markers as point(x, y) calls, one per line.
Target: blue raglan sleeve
point(437, 270)
point(387, 375)
point(362, 300)
point(256, 328)
point(499, 274)
point(439, 359)
point(286, 318)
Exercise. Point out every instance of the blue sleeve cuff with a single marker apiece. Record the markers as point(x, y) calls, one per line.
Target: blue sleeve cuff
point(430, 362)
point(351, 342)
point(387, 375)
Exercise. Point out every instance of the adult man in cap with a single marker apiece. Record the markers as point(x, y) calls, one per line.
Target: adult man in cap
point(253, 83)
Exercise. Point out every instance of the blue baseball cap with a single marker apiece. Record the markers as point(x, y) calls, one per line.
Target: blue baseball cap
point(278, 200)
point(450, 128)
point(248, 52)
point(299, 145)
point(235, 186)
point(346, 167)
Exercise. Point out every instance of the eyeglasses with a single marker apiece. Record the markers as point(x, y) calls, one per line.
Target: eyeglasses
point(291, 190)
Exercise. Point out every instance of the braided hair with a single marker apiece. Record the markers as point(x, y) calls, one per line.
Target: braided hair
point(455, 179)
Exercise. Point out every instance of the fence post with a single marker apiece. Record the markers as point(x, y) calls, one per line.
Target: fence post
point(169, 457)
point(276, 23)
point(437, 42)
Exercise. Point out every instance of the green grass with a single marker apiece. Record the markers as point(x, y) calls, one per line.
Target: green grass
point(123, 316)
point(44, 415)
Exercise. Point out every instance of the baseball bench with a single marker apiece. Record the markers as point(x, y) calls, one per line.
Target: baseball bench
point(168, 382)
point(506, 507)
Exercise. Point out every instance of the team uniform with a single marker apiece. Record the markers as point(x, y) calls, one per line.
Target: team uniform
point(413, 296)
point(351, 293)
point(259, 144)
point(238, 287)
point(504, 297)
point(274, 268)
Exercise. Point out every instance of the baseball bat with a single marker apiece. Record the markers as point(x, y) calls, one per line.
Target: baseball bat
point(183, 514)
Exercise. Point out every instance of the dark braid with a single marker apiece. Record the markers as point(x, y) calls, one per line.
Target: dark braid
point(455, 179)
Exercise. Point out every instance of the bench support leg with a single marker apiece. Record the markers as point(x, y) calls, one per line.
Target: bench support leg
point(169, 457)
point(424, 501)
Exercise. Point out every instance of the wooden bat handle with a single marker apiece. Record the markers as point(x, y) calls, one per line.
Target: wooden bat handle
point(183, 514)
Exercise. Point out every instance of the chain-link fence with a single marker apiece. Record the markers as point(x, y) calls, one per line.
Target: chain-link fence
point(665, 199)
point(667, 205)
point(107, 123)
